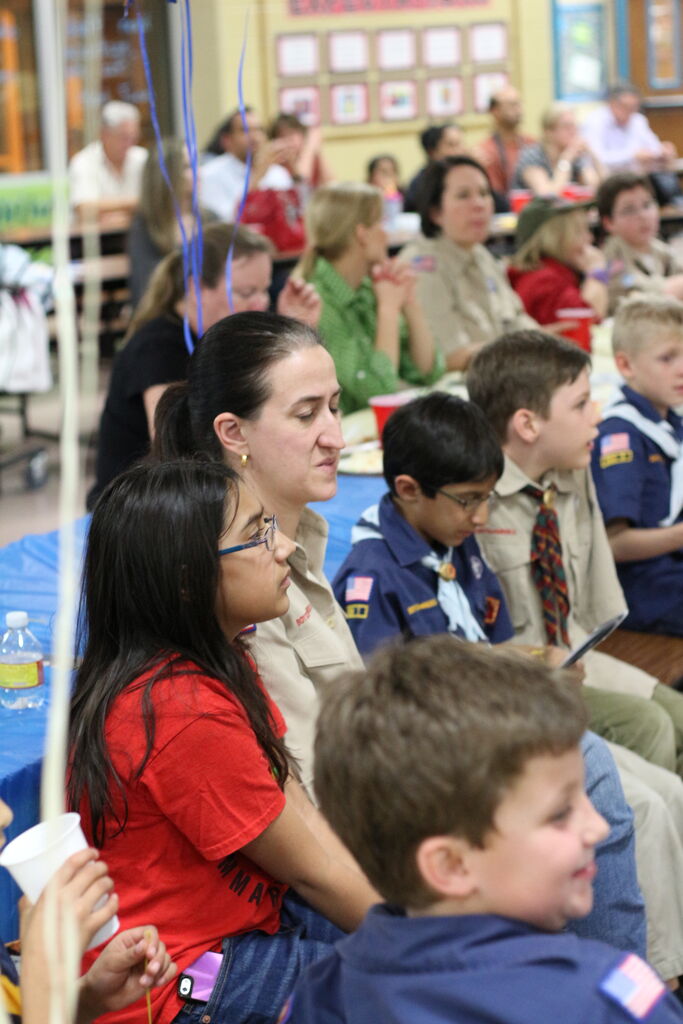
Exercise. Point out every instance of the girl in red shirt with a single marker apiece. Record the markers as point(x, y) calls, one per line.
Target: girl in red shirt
point(178, 762)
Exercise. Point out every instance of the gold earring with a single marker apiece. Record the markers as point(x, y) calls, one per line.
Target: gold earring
point(244, 459)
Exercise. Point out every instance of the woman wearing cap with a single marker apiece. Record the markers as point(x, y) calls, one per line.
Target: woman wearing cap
point(461, 287)
point(555, 265)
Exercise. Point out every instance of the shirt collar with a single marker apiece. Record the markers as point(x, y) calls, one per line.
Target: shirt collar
point(514, 480)
point(311, 540)
point(645, 406)
point(404, 542)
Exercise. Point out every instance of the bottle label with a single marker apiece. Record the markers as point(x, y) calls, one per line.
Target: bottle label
point(22, 677)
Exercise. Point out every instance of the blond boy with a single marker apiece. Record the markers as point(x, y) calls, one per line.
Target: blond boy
point(638, 463)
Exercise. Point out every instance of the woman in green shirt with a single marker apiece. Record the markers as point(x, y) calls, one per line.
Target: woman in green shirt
point(371, 321)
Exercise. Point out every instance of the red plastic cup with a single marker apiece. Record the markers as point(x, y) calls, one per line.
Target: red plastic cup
point(580, 333)
point(384, 405)
point(519, 197)
point(577, 193)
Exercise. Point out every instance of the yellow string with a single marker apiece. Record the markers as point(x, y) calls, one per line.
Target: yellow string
point(148, 994)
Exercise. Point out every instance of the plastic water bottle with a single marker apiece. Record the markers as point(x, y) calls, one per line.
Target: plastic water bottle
point(22, 674)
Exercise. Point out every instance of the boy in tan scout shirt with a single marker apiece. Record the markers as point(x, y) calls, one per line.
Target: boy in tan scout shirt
point(545, 534)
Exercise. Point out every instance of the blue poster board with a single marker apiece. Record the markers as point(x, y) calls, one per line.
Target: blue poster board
point(580, 52)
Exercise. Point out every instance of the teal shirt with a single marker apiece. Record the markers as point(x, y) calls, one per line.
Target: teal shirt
point(348, 325)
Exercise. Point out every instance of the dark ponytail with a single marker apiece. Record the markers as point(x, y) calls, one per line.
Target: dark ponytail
point(229, 371)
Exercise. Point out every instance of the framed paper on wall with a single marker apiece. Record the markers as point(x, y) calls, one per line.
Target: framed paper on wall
point(483, 85)
point(297, 55)
point(444, 97)
point(348, 52)
point(396, 49)
point(303, 101)
point(349, 103)
point(397, 101)
point(441, 47)
point(488, 43)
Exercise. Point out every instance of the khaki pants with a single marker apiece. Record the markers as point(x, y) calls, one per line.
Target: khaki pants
point(644, 726)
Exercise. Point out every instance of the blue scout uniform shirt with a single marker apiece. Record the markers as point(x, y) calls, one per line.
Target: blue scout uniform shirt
point(633, 481)
point(475, 969)
point(385, 590)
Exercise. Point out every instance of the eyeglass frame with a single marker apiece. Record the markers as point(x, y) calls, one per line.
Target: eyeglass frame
point(268, 538)
point(467, 504)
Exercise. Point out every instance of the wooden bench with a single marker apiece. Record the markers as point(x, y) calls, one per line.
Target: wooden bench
point(661, 656)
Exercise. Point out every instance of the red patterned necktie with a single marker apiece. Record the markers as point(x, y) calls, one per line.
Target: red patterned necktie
point(547, 570)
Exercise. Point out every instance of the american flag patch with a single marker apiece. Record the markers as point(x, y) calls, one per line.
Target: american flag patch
point(424, 264)
point(634, 986)
point(358, 588)
point(611, 443)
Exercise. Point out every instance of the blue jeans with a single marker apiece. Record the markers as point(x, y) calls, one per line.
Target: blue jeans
point(618, 914)
point(259, 971)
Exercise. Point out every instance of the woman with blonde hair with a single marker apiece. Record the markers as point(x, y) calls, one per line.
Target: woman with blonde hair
point(156, 350)
point(561, 158)
point(154, 231)
point(371, 321)
point(555, 265)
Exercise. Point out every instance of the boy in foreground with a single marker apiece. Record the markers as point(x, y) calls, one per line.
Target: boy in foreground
point(638, 463)
point(455, 777)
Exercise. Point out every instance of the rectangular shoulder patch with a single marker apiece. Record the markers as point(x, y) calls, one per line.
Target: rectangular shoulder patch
point(492, 609)
point(423, 264)
point(422, 606)
point(357, 611)
point(611, 443)
point(633, 985)
point(358, 588)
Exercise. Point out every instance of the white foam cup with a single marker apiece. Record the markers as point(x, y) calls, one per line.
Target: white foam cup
point(33, 857)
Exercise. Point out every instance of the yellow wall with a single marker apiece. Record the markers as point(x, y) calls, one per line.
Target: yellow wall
point(218, 30)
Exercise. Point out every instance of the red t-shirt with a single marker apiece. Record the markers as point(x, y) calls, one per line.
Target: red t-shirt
point(206, 791)
point(552, 286)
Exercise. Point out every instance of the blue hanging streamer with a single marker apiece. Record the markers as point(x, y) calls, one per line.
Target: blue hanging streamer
point(192, 250)
point(245, 193)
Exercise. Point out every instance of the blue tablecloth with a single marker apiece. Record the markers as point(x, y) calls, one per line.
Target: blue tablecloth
point(28, 582)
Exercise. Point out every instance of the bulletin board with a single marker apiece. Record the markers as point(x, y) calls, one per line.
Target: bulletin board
point(352, 70)
point(579, 33)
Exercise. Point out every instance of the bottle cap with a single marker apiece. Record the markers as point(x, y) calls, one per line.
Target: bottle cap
point(16, 620)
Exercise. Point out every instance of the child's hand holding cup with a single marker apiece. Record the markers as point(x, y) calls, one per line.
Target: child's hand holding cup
point(58, 850)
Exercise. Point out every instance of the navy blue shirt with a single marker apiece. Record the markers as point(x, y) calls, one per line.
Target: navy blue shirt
point(385, 590)
point(475, 969)
point(633, 482)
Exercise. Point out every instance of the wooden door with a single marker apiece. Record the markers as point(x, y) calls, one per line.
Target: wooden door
point(655, 60)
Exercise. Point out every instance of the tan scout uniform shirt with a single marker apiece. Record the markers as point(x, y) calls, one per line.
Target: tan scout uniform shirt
point(642, 272)
point(464, 293)
point(308, 647)
point(594, 590)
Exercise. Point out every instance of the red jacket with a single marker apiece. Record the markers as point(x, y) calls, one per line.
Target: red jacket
point(552, 286)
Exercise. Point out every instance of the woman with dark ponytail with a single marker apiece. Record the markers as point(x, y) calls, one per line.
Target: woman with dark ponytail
point(177, 759)
point(262, 396)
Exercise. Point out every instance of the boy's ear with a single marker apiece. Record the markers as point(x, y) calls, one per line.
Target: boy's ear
point(524, 424)
point(623, 364)
point(444, 864)
point(407, 488)
point(228, 428)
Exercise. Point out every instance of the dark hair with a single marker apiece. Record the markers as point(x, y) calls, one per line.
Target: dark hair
point(226, 127)
point(372, 164)
point(148, 604)
point(287, 121)
point(623, 89)
point(612, 187)
point(432, 188)
point(431, 136)
point(438, 440)
point(522, 370)
point(425, 742)
point(228, 372)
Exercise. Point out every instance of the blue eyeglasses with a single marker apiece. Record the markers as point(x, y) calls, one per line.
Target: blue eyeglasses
point(268, 538)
